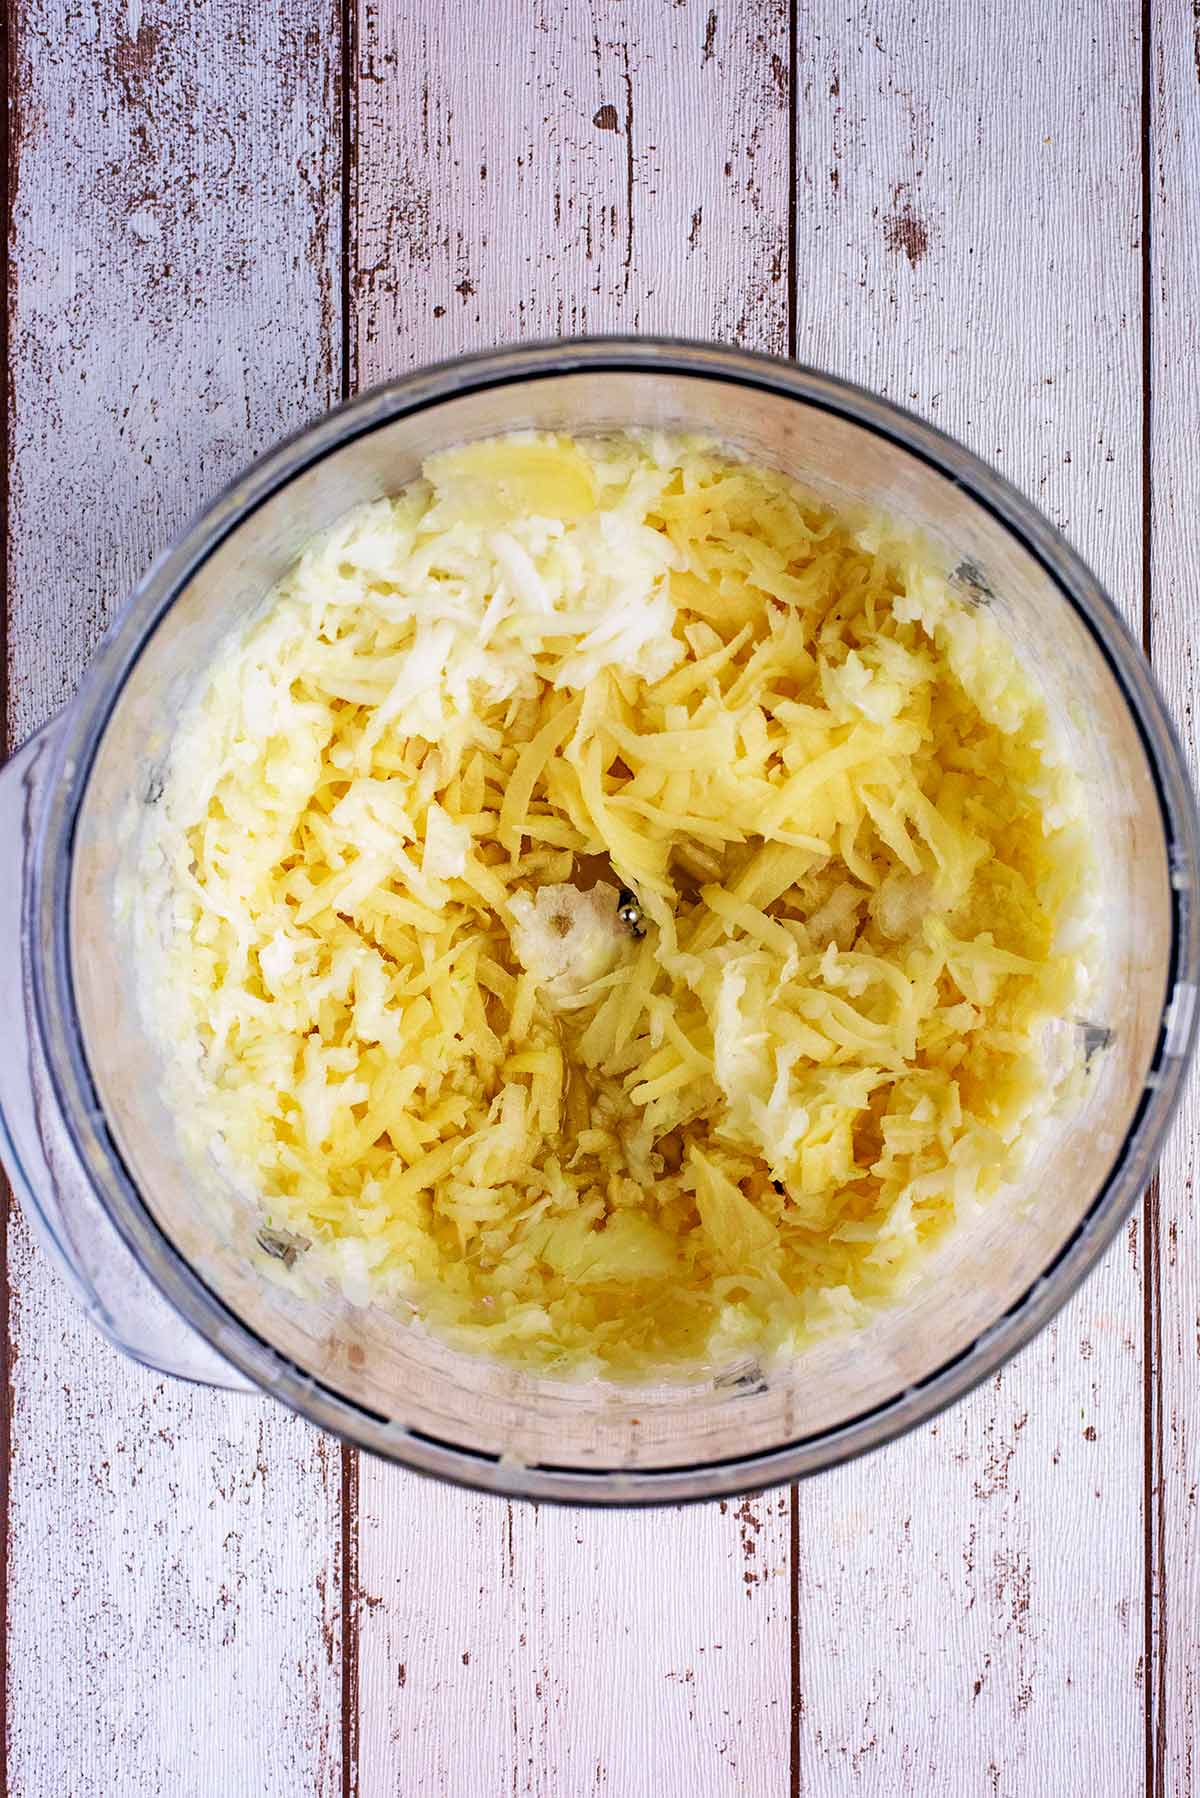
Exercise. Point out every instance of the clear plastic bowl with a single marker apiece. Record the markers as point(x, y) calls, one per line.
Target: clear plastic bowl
point(175, 1275)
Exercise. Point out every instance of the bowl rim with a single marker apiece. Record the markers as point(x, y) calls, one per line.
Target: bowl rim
point(48, 927)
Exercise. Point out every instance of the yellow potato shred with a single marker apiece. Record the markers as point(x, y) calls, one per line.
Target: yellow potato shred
point(616, 904)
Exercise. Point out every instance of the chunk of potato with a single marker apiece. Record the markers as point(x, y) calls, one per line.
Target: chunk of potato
point(489, 484)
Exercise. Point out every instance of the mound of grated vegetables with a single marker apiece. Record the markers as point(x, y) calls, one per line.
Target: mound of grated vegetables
point(615, 904)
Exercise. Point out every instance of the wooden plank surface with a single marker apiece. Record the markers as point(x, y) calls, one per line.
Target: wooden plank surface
point(635, 176)
point(969, 1612)
point(971, 1603)
point(173, 1600)
point(1173, 99)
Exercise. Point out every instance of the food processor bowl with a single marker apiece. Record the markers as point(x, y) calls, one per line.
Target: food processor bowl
point(168, 1260)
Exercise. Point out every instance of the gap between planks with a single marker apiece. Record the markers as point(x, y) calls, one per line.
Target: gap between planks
point(8, 59)
point(1154, 1596)
point(347, 95)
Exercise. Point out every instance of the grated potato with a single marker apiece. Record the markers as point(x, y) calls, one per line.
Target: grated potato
point(615, 903)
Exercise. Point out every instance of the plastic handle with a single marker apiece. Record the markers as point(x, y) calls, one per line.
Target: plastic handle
point(55, 1193)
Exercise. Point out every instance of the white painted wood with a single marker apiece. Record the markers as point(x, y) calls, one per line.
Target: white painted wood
point(575, 169)
point(173, 1600)
point(572, 170)
point(971, 1601)
point(508, 1649)
point(1175, 1297)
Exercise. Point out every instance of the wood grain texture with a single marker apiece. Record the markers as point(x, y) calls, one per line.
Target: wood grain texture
point(173, 1594)
point(1174, 106)
point(583, 169)
point(968, 187)
point(507, 1649)
point(572, 170)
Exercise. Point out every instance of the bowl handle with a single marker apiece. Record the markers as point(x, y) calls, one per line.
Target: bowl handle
point(56, 1196)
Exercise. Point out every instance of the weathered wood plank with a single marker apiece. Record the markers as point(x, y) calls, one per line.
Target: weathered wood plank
point(971, 1602)
point(173, 1603)
point(572, 170)
point(1174, 1252)
point(507, 1649)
